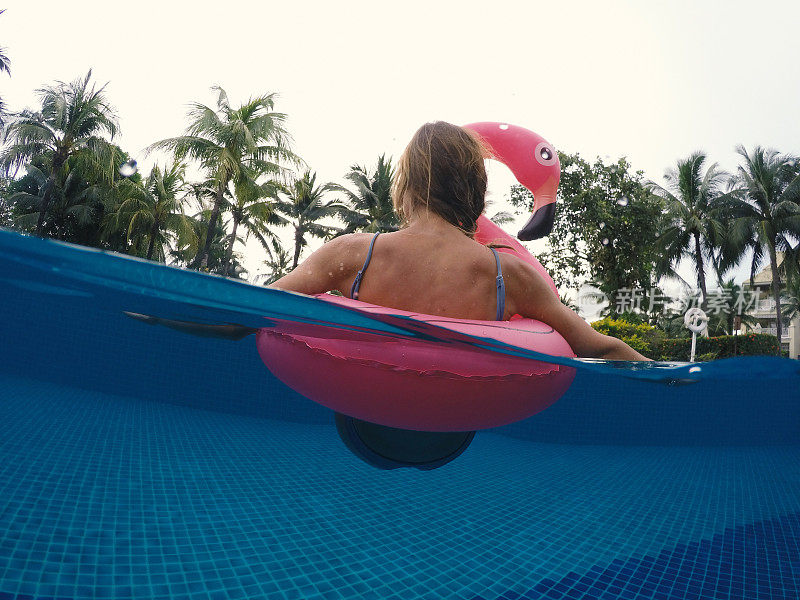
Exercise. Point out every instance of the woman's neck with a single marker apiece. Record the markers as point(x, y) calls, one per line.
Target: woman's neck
point(422, 220)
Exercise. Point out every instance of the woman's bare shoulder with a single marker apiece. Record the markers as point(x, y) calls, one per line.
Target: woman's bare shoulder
point(354, 241)
point(525, 286)
point(329, 267)
point(346, 247)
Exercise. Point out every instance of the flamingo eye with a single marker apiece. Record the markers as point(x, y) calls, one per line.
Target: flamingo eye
point(545, 155)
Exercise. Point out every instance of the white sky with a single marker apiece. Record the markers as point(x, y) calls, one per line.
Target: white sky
point(652, 81)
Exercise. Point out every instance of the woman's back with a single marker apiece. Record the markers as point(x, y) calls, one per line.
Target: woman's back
point(433, 270)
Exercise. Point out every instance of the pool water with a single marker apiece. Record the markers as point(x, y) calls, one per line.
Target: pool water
point(140, 462)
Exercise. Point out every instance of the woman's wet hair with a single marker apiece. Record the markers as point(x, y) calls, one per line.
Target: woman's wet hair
point(442, 170)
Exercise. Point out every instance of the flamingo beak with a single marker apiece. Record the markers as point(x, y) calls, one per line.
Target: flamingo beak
point(540, 224)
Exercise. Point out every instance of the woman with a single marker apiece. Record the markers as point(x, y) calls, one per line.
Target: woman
point(434, 266)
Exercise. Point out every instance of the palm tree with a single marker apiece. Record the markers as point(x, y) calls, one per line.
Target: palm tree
point(791, 263)
point(26, 201)
point(72, 118)
point(767, 216)
point(153, 211)
point(791, 299)
point(303, 209)
point(692, 228)
point(218, 250)
point(5, 205)
point(790, 268)
point(26, 196)
point(501, 217)
point(369, 204)
point(279, 263)
point(253, 208)
point(72, 217)
point(721, 319)
point(5, 65)
point(231, 144)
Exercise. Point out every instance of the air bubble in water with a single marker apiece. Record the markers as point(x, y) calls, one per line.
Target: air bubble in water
point(128, 168)
point(623, 201)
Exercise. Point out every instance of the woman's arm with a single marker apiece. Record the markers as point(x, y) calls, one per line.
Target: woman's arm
point(532, 297)
point(327, 269)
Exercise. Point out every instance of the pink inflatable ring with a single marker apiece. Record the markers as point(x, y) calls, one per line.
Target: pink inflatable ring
point(429, 386)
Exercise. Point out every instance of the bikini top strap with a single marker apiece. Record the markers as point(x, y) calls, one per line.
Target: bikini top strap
point(360, 274)
point(501, 288)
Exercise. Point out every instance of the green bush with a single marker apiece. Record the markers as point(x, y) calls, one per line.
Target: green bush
point(641, 345)
point(631, 317)
point(724, 346)
point(650, 341)
point(642, 337)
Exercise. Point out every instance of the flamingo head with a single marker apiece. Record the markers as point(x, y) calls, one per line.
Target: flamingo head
point(534, 162)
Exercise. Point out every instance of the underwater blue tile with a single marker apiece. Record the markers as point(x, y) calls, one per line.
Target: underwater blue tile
point(581, 587)
point(46, 590)
point(598, 588)
point(26, 588)
point(197, 547)
point(178, 588)
point(233, 591)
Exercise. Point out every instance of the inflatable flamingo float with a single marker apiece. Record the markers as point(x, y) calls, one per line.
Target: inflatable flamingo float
point(438, 385)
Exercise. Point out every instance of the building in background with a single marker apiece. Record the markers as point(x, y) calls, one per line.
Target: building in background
point(764, 312)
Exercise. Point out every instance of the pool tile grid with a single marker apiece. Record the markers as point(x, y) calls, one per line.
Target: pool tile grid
point(758, 561)
point(166, 501)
